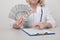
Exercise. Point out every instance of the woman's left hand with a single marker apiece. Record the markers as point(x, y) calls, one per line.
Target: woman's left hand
point(39, 25)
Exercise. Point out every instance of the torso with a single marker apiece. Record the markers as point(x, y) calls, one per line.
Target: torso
point(34, 17)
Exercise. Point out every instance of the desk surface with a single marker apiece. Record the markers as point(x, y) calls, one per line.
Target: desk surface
point(8, 33)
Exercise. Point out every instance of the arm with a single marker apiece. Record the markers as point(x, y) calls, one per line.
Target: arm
point(50, 23)
point(50, 20)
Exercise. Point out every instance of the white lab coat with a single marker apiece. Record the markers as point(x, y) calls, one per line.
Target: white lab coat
point(35, 17)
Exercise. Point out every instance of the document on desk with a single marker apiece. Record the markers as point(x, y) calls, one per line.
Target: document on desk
point(37, 32)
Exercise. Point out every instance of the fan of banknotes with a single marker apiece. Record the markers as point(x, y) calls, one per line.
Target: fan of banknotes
point(20, 10)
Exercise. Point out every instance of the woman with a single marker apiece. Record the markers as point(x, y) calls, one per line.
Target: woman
point(40, 16)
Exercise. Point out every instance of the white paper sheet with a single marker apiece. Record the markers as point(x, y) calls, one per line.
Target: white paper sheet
point(36, 31)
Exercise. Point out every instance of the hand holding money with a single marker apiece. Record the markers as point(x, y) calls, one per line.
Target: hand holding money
point(19, 13)
point(20, 22)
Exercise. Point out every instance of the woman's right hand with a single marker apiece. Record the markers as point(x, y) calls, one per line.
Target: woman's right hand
point(18, 23)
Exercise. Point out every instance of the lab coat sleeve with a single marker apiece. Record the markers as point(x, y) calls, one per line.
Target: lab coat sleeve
point(11, 22)
point(50, 18)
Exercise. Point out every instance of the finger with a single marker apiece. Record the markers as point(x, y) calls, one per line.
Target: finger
point(37, 25)
point(21, 24)
point(16, 26)
point(41, 27)
point(19, 21)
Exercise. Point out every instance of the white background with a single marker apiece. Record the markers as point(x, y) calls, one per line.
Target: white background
point(6, 5)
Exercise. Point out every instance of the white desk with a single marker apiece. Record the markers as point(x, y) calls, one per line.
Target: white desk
point(11, 34)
